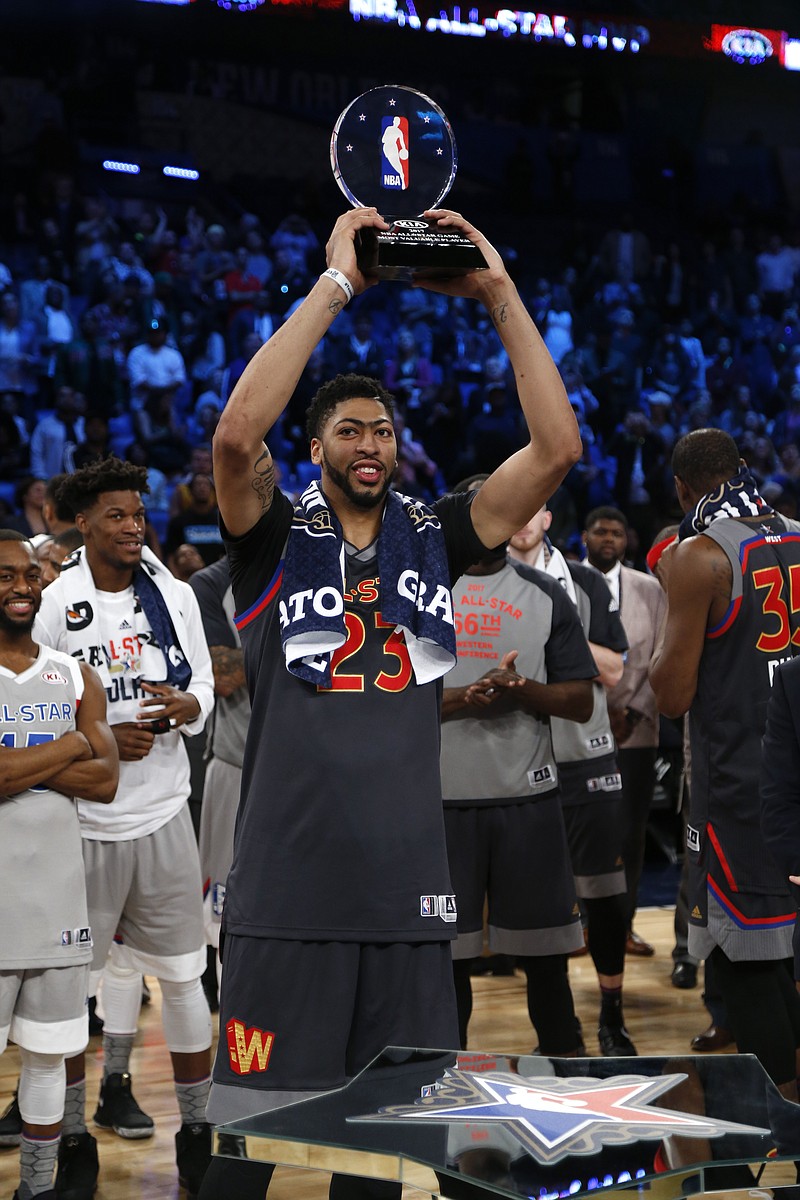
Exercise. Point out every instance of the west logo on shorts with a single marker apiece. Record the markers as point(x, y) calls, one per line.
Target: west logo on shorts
point(248, 1049)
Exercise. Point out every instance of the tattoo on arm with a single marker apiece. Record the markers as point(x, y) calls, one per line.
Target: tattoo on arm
point(500, 314)
point(228, 666)
point(263, 482)
point(335, 306)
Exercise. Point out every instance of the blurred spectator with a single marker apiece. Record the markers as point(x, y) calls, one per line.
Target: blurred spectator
point(241, 284)
point(57, 549)
point(640, 487)
point(669, 369)
point(786, 426)
point(670, 284)
point(258, 261)
point(197, 525)
point(154, 367)
point(417, 474)
point(29, 497)
point(185, 561)
point(55, 326)
point(693, 350)
point(256, 318)
point(202, 423)
point(158, 495)
point(19, 358)
point(13, 449)
point(360, 352)
point(95, 444)
point(659, 406)
point(56, 435)
point(740, 268)
point(295, 235)
point(557, 331)
point(725, 374)
point(95, 237)
point(776, 267)
point(213, 263)
point(762, 461)
point(126, 265)
point(288, 283)
point(89, 365)
point(624, 249)
point(409, 375)
point(202, 347)
point(159, 427)
point(755, 333)
point(495, 433)
point(32, 291)
point(58, 516)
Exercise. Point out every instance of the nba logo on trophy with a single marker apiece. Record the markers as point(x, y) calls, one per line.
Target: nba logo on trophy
point(394, 153)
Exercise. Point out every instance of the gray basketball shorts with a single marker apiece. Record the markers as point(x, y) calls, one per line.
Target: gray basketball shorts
point(515, 857)
point(145, 896)
point(43, 1009)
point(217, 820)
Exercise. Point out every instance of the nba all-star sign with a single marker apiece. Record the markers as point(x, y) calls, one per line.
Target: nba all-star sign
point(555, 1118)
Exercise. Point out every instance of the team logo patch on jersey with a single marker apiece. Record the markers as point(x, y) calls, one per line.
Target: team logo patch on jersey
point(80, 616)
point(53, 677)
point(438, 906)
point(692, 838)
point(77, 937)
point(601, 742)
point(605, 783)
point(542, 777)
point(248, 1049)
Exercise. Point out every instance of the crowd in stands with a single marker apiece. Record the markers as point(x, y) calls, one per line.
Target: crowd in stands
point(130, 334)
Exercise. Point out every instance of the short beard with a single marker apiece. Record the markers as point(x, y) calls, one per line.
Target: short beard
point(365, 500)
point(7, 625)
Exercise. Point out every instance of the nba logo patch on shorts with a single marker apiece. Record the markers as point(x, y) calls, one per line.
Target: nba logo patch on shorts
point(218, 899)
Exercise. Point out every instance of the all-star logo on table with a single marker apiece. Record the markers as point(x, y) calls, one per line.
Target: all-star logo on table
point(553, 1118)
point(393, 148)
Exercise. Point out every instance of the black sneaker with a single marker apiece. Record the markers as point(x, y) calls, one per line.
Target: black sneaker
point(78, 1168)
point(193, 1155)
point(117, 1109)
point(615, 1042)
point(11, 1124)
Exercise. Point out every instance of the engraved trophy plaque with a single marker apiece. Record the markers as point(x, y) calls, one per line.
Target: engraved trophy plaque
point(393, 148)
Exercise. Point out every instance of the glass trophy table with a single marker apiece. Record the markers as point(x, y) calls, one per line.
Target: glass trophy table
point(481, 1124)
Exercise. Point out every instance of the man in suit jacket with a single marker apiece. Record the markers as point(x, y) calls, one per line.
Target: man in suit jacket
point(631, 704)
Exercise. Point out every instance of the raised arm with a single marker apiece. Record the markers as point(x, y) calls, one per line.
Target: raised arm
point(244, 474)
point(521, 485)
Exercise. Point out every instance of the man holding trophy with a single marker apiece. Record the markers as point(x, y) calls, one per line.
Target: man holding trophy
point(339, 909)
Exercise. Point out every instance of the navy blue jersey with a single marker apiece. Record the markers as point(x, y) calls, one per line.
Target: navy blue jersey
point(340, 832)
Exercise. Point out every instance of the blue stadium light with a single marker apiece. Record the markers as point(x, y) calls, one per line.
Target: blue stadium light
point(110, 164)
point(180, 172)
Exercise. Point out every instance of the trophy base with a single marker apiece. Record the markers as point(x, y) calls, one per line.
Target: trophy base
point(413, 246)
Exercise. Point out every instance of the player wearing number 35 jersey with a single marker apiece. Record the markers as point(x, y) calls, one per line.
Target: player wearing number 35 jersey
point(733, 615)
